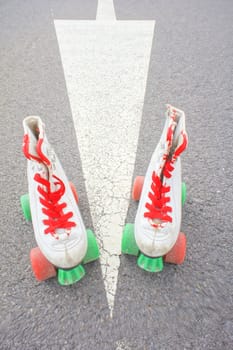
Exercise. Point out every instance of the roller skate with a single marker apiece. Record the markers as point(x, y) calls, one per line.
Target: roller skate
point(64, 244)
point(155, 236)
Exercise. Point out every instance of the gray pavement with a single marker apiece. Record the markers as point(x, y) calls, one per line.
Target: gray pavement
point(184, 307)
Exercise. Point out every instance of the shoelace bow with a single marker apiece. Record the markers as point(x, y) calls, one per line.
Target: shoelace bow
point(51, 207)
point(159, 208)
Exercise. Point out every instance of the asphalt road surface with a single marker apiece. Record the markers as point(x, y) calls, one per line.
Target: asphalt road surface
point(191, 67)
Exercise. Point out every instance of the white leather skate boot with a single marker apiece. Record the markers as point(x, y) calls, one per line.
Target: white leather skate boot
point(58, 226)
point(156, 232)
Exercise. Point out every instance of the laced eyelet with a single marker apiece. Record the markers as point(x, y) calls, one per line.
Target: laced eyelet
point(51, 206)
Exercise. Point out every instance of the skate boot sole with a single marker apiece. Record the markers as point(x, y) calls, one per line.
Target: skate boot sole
point(152, 264)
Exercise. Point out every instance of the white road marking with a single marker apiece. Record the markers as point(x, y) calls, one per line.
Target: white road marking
point(121, 345)
point(105, 65)
point(105, 10)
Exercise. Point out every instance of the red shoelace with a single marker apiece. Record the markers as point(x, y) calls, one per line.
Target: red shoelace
point(159, 209)
point(51, 207)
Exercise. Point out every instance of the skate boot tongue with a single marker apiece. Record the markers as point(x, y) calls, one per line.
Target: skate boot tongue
point(35, 145)
point(45, 151)
point(32, 129)
point(179, 142)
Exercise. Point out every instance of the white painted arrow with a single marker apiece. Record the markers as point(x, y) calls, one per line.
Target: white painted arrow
point(105, 64)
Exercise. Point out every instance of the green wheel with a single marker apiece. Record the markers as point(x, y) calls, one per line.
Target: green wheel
point(128, 242)
point(70, 276)
point(150, 264)
point(183, 193)
point(25, 204)
point(92, 248)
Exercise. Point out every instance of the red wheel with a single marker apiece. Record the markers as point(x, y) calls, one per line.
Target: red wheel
point(137, 187)
point(73, 189)
point(178, 251)
point(41, 267)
